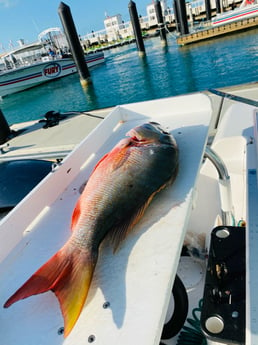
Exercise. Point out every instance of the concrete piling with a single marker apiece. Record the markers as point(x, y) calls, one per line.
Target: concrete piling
point(74, 43)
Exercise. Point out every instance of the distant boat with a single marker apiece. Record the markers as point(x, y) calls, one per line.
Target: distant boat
point(32, 64)
point(247, 9)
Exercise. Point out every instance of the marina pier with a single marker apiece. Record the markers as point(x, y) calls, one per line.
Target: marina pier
point(216, 31)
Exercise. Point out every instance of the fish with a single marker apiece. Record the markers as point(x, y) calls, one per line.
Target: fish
point(114, 199)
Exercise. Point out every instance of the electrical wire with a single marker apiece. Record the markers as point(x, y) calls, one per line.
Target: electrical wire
point(193, 335)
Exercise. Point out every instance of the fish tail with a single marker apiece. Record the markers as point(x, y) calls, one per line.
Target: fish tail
point(68, 274)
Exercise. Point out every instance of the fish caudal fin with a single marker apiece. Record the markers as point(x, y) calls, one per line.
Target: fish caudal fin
point(68, 274)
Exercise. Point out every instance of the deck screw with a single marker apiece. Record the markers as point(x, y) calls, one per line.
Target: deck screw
point(235, 314)
point(91, 338)
point(60, 331)
point(106, 305)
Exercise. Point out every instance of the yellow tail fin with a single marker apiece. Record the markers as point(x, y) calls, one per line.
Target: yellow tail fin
point(68, 274)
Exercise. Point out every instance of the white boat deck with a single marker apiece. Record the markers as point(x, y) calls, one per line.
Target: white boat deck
point(52, 142)
point(130, 291)
point(236, 141)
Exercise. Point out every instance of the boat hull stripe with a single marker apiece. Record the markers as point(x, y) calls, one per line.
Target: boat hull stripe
point(21, 79)
point(235, 17)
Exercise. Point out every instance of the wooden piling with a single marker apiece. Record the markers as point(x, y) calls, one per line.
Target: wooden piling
point(74, 43)
point(208, 9)
point(161, 25)
point(4, 129)
point(136, 27)
point(181, 8)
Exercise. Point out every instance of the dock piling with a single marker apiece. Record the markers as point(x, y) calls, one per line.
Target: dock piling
point(182, 16)
point(136, 27)
point(177, 22)
point(208, 9)
point(4, 129)
point(74, 43)
point(161, 24)
point(218, 6)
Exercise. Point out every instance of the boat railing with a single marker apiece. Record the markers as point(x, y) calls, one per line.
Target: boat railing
point(224, 186)
point(8, 65)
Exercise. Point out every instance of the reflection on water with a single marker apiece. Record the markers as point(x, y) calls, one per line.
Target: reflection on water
point(126, 77)
point(90, 96)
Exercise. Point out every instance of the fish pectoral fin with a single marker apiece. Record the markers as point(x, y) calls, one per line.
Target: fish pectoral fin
point(119, 233)
point(68, 274)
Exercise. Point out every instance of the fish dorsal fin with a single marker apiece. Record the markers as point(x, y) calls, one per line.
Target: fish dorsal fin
point(119, 233)
point(100, 161)
point(76, 214)
point(116, 156)
point(77, 209)
point(115, 164)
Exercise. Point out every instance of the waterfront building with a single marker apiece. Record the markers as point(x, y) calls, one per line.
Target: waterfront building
point(116, 29)
point(151, 14)
point(113, 25)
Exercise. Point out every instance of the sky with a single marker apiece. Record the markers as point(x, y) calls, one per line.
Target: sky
point(25, 19)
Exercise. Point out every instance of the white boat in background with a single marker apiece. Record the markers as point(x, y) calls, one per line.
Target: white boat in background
point(33, 64)
point(201, 230)
point(247, 9)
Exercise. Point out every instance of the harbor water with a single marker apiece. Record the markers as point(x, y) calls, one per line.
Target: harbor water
point(126, 77)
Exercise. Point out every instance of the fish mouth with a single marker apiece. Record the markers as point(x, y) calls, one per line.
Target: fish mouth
point(136, 137)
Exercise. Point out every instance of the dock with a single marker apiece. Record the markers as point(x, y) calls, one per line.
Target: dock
point(212, 32)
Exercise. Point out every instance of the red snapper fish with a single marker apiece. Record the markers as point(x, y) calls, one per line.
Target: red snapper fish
point(120, 188)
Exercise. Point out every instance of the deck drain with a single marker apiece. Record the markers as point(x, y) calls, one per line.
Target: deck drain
point(91, 338)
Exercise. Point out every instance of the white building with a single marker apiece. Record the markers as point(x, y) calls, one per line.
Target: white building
point(116, 29)
point(151, 14)
point(113, 26)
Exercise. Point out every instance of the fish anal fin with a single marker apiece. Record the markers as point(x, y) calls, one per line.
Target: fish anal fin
point(68, 274)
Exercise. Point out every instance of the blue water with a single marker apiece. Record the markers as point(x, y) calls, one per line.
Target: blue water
point(125, 77)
